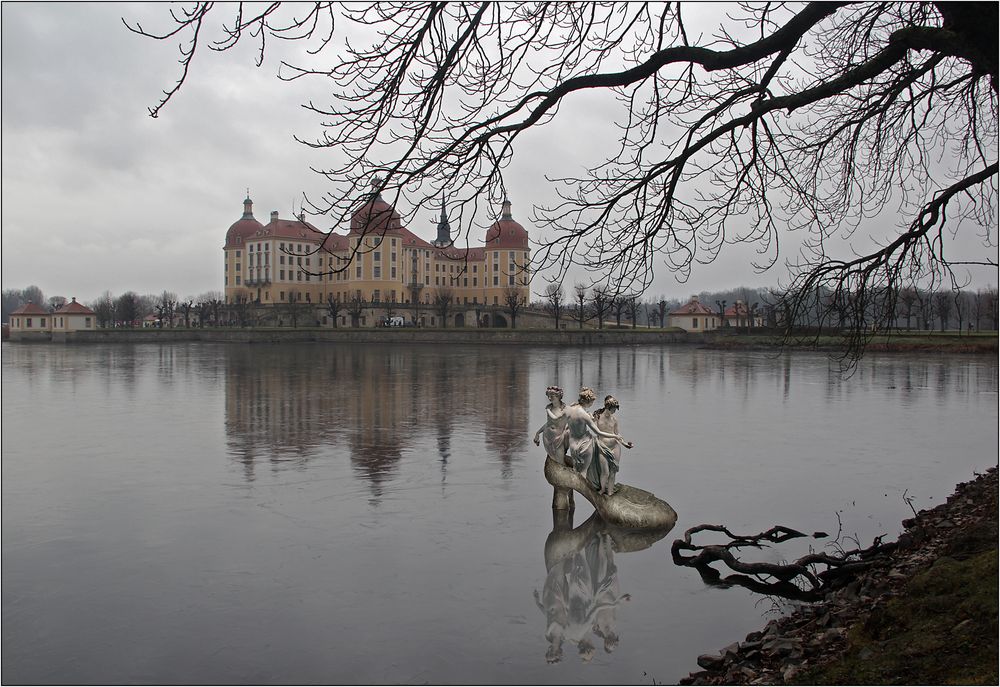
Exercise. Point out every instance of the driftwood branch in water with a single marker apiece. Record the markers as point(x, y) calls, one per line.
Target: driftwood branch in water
point(773, 578)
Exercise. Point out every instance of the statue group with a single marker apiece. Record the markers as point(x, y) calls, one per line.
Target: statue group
point(588, 443)
point(584, 455)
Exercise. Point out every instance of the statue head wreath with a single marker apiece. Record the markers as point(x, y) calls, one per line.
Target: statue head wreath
point(554, 390)
point(610, 402)
point(587, 395)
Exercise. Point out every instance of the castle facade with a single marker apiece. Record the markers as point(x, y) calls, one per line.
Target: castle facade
point(378, 262)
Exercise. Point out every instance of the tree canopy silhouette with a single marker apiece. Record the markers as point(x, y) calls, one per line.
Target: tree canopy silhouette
point(803, 117)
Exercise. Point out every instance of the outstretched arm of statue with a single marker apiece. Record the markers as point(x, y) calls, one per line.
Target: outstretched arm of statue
point(597, 430)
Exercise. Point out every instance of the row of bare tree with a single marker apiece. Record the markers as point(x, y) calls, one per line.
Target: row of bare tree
point(298, 309)
point(130, 310)
point(908, 309)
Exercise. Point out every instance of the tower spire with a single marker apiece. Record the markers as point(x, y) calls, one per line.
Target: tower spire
point(247, 206)
point(443, 227)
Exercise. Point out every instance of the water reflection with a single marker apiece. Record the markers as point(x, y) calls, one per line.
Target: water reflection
point(284, 406)
point(581, 593)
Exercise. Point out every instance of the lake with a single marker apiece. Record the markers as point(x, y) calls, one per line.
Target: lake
point(313, 513)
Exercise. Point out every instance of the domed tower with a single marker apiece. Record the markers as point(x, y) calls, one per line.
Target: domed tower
point(234, 267)
point(506, 232)
point(244, 227)
point(507, 257)
point(375, 217)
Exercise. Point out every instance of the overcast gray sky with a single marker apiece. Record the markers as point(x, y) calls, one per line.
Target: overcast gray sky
point(98, 196)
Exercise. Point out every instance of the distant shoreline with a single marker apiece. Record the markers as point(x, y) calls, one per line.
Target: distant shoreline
point(904, 342)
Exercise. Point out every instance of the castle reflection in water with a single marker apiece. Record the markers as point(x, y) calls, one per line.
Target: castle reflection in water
point(287, 405)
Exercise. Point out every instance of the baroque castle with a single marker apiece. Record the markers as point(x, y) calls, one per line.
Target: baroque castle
point(378, 262)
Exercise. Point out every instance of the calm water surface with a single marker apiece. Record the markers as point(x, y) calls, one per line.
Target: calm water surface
point(377, 514)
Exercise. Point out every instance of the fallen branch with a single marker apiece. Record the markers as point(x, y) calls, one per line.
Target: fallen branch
point(778, 579)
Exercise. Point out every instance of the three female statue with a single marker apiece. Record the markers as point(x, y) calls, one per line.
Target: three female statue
point(588, 443)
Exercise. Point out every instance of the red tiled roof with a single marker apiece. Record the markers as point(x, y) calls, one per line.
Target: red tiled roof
point(30, 308)
point(241, 229)
point(74, 308)
point(289, 229)
point(455, 253)
point(411, 240)
point(506, 233)
point(738, 310)
point(691, 308)
point(375, 217)
point(334, 243)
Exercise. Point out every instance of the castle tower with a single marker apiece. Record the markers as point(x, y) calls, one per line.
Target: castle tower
point(443, 239)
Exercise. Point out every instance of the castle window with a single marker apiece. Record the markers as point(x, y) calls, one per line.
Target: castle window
point(496, 280)
point(377, 272)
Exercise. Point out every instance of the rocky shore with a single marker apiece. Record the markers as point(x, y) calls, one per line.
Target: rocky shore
point(925, 613)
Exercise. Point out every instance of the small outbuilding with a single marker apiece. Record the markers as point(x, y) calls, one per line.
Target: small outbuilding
point(30, 321)
point(73, 317)
point(693, 317)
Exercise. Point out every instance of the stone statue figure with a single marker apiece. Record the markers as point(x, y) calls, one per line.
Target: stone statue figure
point(582, 431)
point(588, 463)
point(553, 432)
point(554, 438)
point(607, 458)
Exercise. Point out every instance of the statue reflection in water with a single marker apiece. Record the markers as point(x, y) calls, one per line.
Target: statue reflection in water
point(581, 594)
